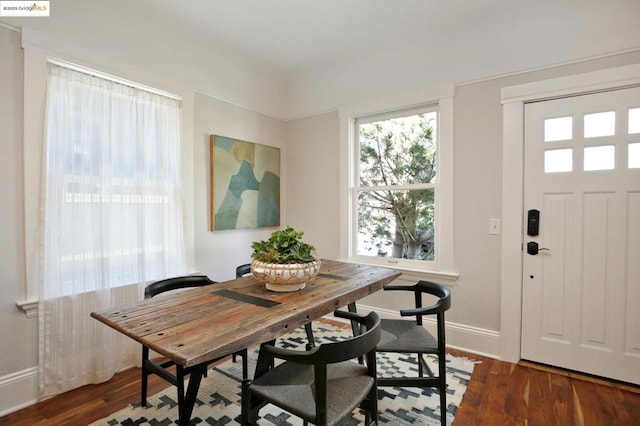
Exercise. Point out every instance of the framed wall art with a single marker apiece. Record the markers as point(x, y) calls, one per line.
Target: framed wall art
point(245, 184)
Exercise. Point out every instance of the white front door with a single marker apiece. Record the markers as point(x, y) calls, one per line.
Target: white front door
point(581, 291)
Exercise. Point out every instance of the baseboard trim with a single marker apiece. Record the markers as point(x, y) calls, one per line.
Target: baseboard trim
point(18, 390)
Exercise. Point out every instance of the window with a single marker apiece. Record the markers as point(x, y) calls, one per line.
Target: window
point(112, 205)
point(398, 190)
point(396, 185)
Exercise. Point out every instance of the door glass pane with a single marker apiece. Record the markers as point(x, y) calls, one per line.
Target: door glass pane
point(397, 224)
point(558, 129)
point(599, 158)
point(634, 155)
point(634, 120)
point(558, 160)
point(600, 124)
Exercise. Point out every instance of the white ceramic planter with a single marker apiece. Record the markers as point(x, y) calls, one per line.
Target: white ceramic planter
point(287, 276)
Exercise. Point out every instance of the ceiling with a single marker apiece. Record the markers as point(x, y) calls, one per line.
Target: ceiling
point(295, 36)
point(291, 36)
point(342, 43)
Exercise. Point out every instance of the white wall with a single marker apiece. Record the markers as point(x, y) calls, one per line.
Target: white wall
point(313, 201)
point(477, 185)
point(18, 345)
point(218, 253)
point(18, 334)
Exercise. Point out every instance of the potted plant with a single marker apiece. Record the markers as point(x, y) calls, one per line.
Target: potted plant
point(284, 262)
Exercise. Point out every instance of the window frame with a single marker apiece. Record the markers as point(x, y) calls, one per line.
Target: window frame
point(440, 97)
point(357, 189)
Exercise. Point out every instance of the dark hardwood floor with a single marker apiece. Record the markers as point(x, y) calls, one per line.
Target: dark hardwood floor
point(502, 393)
point(499, 393)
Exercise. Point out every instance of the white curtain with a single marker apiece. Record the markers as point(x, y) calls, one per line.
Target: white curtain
point(112, 219)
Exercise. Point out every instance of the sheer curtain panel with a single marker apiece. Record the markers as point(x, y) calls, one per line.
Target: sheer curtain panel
point(111, 219)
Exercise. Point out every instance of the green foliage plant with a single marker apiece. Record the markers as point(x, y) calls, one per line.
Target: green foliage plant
point(283, 246)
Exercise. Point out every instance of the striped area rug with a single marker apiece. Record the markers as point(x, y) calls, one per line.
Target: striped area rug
point(218, 400)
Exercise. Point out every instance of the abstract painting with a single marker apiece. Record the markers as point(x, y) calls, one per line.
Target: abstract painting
point(245, 184)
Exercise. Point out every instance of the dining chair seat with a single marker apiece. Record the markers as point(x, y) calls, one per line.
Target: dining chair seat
point(292, 385)
point(322, 385)
point(406, 336)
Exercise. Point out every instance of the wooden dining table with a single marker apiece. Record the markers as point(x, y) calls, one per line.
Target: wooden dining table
point(195, 326)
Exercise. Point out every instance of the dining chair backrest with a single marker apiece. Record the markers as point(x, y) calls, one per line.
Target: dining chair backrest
point(176, 283)
point(243, 270)
point(354, 347)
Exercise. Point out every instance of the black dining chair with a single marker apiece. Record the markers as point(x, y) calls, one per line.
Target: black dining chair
point(151, 367)
point(322, 385)
point(409, 336)
point(245, 270)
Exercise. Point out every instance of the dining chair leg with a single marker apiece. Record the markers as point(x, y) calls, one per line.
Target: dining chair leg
point(443, 406)
point(310, 340)
point(245, 403)
point(442, 371)
point(143, 379)
point(180, 388)
point(245, 364)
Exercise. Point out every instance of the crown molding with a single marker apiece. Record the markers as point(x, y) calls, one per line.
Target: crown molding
point(11, 27)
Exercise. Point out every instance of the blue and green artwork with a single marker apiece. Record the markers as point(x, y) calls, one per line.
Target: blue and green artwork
point(245, 184)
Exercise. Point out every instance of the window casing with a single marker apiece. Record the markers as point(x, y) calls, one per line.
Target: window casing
point(436, 257)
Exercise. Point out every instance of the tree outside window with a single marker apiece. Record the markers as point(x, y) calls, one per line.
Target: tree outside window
point(397, 187)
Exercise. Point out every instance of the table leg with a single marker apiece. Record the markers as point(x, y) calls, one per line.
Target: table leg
point(192, 392)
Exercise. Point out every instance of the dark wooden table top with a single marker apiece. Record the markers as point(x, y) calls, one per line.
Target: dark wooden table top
point(204, 323)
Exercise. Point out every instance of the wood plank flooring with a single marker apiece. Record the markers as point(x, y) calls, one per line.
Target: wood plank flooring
point(502, 393)
point(499, 393)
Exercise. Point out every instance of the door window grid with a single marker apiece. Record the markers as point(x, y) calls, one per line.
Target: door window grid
point(595, 158)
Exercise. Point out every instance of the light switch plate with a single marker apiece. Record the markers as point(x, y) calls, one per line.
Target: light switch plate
point(494, 226)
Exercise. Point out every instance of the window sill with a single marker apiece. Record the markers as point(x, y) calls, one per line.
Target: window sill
point(29, 307)
point(409, 274)
point(446, 278)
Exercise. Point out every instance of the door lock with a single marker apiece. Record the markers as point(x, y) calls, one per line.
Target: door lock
point(533, 222)
point(533, 248)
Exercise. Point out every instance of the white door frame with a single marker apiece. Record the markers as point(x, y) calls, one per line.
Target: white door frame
point(513, 99)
